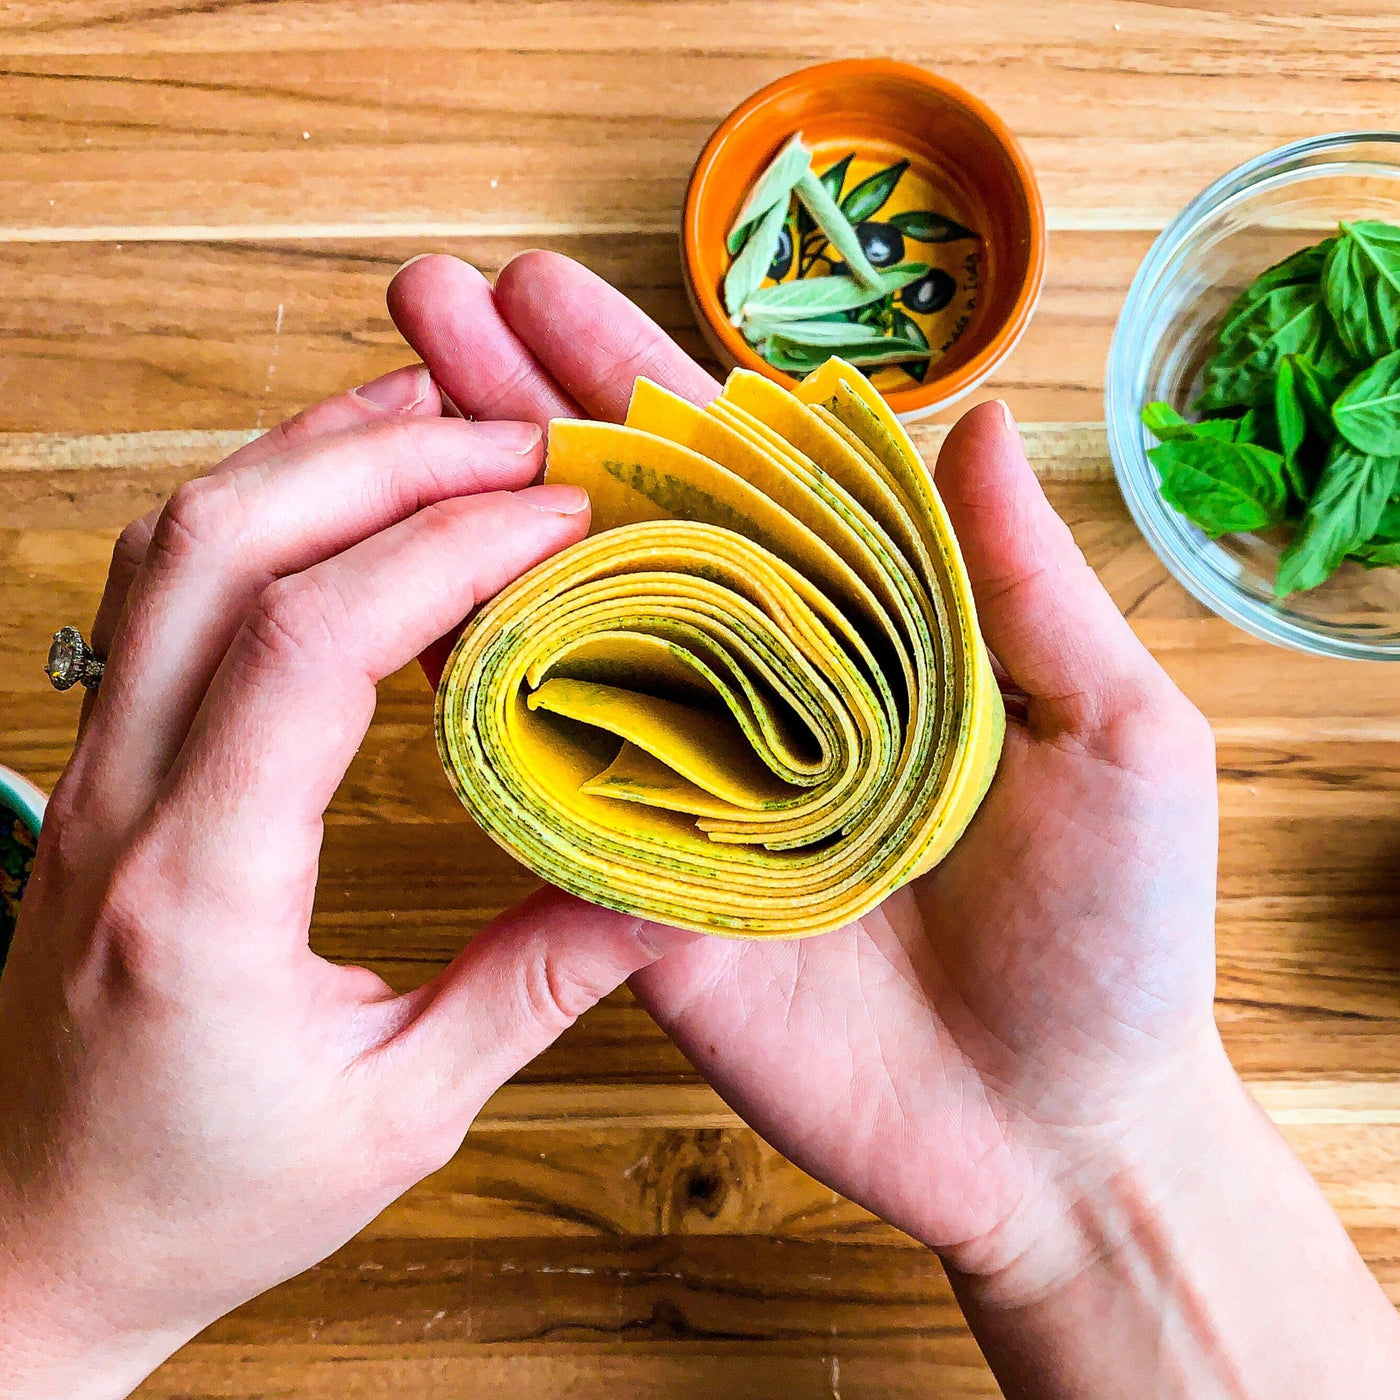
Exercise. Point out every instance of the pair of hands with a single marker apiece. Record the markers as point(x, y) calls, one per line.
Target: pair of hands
point(996, 1060)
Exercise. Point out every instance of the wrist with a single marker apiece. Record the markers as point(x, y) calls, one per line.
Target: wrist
point(1185, 1253)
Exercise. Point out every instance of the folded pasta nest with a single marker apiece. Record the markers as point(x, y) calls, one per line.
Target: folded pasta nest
point(755, 700)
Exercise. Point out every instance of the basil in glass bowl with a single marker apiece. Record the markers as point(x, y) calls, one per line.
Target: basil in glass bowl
point(1200, 275)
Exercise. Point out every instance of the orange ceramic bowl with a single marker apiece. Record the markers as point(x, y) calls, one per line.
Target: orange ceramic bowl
point(965, 169)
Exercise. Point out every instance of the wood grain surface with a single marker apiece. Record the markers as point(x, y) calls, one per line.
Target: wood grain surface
point(200, 205)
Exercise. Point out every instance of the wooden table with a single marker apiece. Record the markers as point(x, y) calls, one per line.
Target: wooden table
point(199, 208)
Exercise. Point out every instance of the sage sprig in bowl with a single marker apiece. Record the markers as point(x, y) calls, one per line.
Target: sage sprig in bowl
point(1253, 405)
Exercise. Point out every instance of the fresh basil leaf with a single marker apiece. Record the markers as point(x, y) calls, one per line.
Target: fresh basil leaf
point(1316, 395)
point(1286, 321)
point(924, 226)
point(907, 328)
point(810, 297)
point(1342, 515)
point(1223, 487)
point(1388, 527)
point(1367, 411)
point(870, 195)
point(837, 227)
point(774, 186)
point(1362, 285)
point(1383, 554)
point(1300, 268)
point(1167, 425)
point(747, 271)
point(1292, 424)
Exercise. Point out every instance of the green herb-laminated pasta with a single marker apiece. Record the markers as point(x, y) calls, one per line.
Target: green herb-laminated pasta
point(837, 227)
point(1223, 487)
point(746, 273)
point(1367, 411)
point(1361, 282)
point(1342, 515)
point(774, 187)
point(810, 297)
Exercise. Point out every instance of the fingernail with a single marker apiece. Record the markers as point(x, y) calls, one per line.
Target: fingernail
point(399, 390)
point(1008, 418)
point(519, 438)
point(417, 257)
point(555, 498)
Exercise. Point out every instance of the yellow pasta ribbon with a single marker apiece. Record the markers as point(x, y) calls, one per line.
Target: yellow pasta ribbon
point(755, 700)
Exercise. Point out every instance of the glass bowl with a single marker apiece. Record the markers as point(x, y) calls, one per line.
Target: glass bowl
point(1256, 215)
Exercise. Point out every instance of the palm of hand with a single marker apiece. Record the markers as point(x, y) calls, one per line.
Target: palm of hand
point(1056, 967)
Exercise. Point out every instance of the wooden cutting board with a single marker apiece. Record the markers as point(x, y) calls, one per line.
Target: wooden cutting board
point(607, 1194)
point(200, 206)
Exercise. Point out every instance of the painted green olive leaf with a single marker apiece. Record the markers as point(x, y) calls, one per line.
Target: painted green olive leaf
point(906, 328)
point(926, 227)
point(870, 195)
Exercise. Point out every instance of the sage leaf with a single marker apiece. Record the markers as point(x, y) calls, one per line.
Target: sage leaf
point(774, 187)
point(1292, 422)
point(1223, 487)
point(926, 227)
point(813, 333)
point(1300, 268)
point(810, 297)
point(837, 227)
point(747, 271)
point(1362, 285)
point(1342, 515)
point(1367, 412)
point(802, 359)
point(870, 195)
point(1286, 321)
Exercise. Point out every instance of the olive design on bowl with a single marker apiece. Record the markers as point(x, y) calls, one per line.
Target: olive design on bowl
point(782, 259)
point(882, 243)
point(932, 292)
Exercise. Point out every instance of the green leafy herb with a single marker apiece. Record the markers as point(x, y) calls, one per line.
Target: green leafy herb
point(1292, 421)
point(1289, 320)
point(1367, 412)
point(1303, 268)
point(774, 187)
point(1383, 548)
point(803, 359)
point(837, 227)
point(1342, 515)
point(1165, 423)
point(1362, 284)
point(1221, 486)
point(821, 296)
point(813, 333)
point(926, 227)
point(869, 196)
point(1316, 395)
point(747, 271)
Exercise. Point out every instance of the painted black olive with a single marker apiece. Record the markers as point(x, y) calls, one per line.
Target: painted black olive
point(782, 259)
point(883, 244)
point(932, 292)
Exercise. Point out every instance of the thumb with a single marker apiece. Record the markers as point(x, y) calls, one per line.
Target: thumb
point(520, 983)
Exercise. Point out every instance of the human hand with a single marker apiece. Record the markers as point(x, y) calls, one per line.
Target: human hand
point(194, 1106)
point(1014, 1059)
